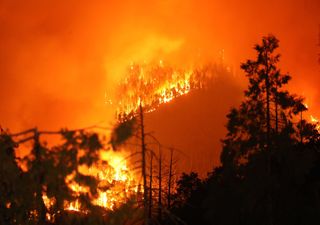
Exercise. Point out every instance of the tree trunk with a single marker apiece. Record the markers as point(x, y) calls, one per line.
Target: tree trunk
point(160, 186)
point(143, 152)
point(301, 130)
point(150, 189)
point(170, 179)
point(267, 81)
point(269, 169)
point(276, 109)
point(38, 170)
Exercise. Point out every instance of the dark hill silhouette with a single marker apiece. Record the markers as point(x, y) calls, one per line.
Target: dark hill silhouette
point(194, 123)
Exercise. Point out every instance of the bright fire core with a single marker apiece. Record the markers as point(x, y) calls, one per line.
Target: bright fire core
point(117, 183)
point(123, 183)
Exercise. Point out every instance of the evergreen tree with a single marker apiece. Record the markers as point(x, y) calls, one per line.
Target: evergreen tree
point(265, 140)
point(267, 115)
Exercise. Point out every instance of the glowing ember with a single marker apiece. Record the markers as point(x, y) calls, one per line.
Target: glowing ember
point(47, 201)
point(73, 206)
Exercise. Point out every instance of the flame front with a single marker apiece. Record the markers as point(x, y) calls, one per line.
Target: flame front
point(155, 84)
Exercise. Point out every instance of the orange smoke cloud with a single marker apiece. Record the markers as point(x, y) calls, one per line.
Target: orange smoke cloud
point(58, 58)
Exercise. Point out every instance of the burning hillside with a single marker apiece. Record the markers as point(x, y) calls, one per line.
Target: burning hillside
point(155, 84)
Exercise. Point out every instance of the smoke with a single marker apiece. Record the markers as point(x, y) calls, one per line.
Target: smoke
point(58, 58)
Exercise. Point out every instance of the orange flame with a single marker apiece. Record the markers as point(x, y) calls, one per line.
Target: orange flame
point(315, 121)
point(116, 183)
point(122, 182)
point(153, 85)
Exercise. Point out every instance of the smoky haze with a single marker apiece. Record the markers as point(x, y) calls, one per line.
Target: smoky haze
point(59, 58)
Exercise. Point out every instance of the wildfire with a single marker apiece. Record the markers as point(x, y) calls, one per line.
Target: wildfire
point(150, 85)
point(75, 187)
point(117, 183)
point(155, 84)
point(73, 206)
point(122, 183)
point(315, 121)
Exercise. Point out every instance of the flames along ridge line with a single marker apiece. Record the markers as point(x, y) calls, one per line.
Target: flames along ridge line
point(154, 85)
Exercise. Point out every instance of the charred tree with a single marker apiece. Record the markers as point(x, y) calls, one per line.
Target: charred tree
point(276, 110)
point(150, 189)
point(143, 165)
point(170, 179)
point(38, 170)
point(160, 186)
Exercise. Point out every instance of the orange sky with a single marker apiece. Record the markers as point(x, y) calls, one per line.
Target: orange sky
point(57, 57)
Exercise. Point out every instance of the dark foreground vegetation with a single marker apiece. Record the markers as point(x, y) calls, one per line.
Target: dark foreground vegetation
point(269, 173)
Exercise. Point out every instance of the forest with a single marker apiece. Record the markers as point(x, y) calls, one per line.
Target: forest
point(269, 172)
